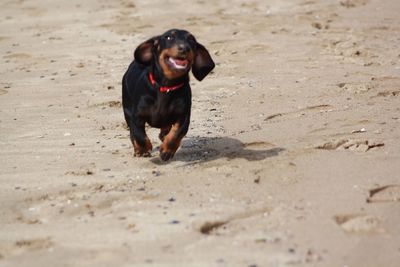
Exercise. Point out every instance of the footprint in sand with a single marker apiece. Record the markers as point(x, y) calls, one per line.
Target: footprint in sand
point(18, 56)
point(359, 223)
point(356, 88)
point(353, 145)
point(111, 104)
point(20, 246)
point(87, 169)
point(34, 244)
point(353, 3)
point(213, 227)
point(300, 112)
point(388, 93)
point(387, 193)
point(80, 201)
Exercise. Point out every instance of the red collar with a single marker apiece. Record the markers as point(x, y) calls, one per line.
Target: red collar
point(164, 89)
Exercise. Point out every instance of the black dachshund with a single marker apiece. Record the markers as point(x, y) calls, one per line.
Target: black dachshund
point(156, 90)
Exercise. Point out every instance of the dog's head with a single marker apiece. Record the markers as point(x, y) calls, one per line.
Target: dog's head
point(176, 52)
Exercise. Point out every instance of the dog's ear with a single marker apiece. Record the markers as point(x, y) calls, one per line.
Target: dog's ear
point(144, 52)
point(203, 63)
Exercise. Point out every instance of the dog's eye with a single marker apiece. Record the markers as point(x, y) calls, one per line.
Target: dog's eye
point(169, 37)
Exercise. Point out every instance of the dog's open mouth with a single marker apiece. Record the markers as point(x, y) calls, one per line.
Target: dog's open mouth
point(178, 63)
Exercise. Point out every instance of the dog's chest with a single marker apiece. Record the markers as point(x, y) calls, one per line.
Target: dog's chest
point(163, 111)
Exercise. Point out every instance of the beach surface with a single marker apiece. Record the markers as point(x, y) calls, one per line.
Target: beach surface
point(293, 152)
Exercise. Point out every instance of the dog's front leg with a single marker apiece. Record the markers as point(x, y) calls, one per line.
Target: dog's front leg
point(173, 139)
point(141, 143)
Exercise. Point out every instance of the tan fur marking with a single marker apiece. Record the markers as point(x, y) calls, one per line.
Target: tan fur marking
point(171, 137)
point(140, 151)
point(169, 73)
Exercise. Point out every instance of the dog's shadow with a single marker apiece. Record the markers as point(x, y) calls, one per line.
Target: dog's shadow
point(204, 149)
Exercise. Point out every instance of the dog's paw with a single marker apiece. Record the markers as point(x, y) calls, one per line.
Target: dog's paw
point(144, 154)
point(143, 151)
point(166, 155)
point(168, 149)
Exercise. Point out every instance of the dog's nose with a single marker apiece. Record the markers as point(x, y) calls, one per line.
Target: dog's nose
point(183, 48)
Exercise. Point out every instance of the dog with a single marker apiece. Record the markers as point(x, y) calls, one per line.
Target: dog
point(156, 90)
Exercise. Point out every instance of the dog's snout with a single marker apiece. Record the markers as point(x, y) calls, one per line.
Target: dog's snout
point(183, 48)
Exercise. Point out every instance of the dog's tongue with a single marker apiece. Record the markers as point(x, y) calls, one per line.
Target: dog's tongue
point(180, 62)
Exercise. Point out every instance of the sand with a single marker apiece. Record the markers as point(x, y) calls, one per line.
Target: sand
point(292, 157)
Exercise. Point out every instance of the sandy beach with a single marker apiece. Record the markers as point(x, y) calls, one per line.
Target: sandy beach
point(293, 152)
